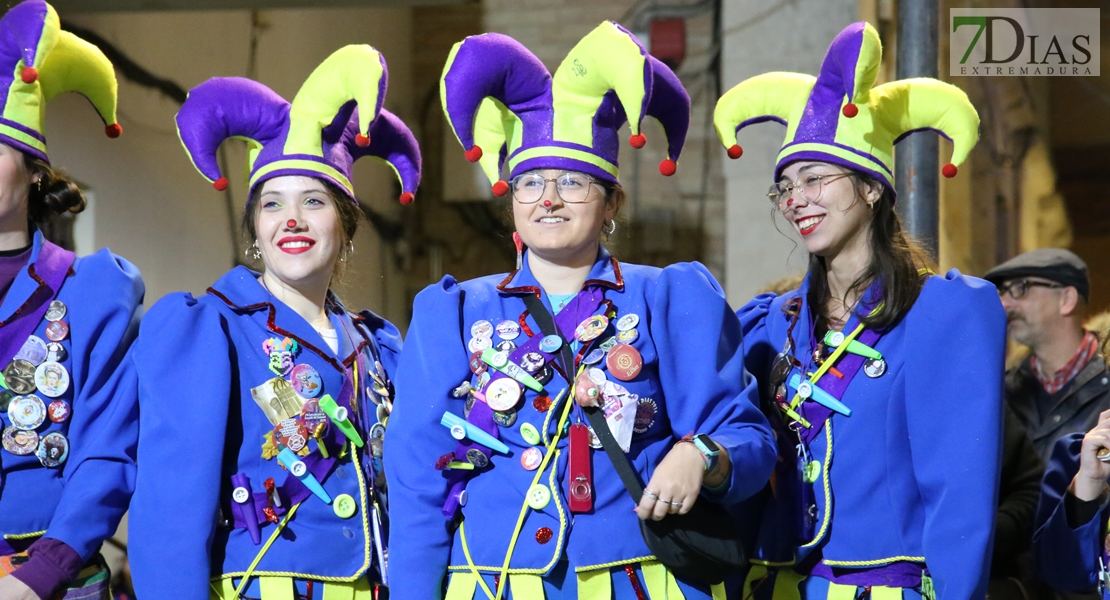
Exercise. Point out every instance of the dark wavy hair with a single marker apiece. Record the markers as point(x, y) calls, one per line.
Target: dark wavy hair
point(896, 261)
point(54, 194)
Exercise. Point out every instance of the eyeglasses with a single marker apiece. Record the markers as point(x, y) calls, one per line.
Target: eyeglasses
point(810, 185)
point(573, 187)
point(1019, 287)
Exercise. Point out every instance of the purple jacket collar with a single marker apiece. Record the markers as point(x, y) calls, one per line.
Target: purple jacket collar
point(606, 272)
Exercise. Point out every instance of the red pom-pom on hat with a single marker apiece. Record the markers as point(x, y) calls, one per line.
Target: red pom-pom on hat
point(29, 74)
point(667, 167)
point(407, 198)
point(114, 130)
point(949, 170)
point(220, 184)
point(362, 140)
point(850, 110)
point(500, 188)
point(735, 151)
point(474, 154)
point(638, 140)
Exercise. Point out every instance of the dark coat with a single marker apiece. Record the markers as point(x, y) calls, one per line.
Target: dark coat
point(1075, 408)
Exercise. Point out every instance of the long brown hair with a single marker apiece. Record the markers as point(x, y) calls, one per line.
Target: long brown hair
point(895, 261)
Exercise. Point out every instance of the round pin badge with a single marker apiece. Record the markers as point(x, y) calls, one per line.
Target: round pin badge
point(874, 367)
point(481, 329)
point(645, 415)
point(58, 411)
point(508, 330)
point(313, 416)
point(532, 361)
point(56, 311)
point(483, 379)
point(477, 458)
point(624, 362)
point(596, 375)
point(502, 394)
point(52, 379)
point(608, 344)
point(19, 442)
point(505, 418)
point(33, 350)
point(27, 412)
point(57, 331)
point(628, 336)
point(19, 376)
point(538, 496)
point(477, 365)
point(477, 344)
point(550, 344)
point(53, 449)
point(56, 352)
point(594, 356)
point(629, 321)
point(291, 433)
point(545, 375)
point(306, 380)
point(6, 399)
point(505, 346)
point(531, 458)
point(377, 432)
point(591, 328)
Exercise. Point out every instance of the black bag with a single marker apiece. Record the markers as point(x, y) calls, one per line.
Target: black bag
point(705, 544)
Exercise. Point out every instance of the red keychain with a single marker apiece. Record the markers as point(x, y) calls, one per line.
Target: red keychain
point(579, 481)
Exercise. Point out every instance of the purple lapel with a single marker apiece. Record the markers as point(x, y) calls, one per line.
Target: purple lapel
point(49, 270)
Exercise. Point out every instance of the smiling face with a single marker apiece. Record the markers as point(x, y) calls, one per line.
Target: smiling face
point(826, 209)
point(298, 229)
point(557, 230)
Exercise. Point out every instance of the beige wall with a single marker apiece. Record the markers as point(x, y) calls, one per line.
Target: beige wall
point(151, 205)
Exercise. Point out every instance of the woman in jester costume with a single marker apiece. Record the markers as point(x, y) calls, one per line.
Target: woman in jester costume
point(882, 379)
point(264, 402)
point(498, 485)
point(67, 393)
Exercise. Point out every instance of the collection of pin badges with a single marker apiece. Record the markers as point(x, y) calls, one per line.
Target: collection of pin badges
point(36, 371)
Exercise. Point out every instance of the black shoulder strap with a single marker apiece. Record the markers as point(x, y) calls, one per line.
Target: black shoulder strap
point(596, 417)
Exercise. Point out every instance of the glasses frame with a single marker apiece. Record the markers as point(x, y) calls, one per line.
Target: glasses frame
point(591, 179)
point(777, 199)
point(1011, 286)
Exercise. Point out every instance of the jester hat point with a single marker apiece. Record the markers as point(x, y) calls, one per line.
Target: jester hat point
point(504, 106)
point(838, 117)
point(43, 62)
point(335, 119)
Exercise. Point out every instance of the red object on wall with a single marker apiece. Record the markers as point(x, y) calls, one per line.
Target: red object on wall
point(668, 41)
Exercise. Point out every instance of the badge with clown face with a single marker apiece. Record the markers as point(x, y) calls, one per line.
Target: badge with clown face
point(281, 353)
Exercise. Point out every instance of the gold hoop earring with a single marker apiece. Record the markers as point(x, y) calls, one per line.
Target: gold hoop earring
point(253, 251)
point(349, 250)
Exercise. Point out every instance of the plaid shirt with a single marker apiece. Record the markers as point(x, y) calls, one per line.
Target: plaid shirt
point(1068, 372)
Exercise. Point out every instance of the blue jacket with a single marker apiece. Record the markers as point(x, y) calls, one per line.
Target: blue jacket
point(81, 502)
point(197, 361)
point(1067, 559)
point(693, 375)
point(912, 474)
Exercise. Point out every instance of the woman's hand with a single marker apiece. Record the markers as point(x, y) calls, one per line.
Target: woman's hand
point(1090, 481)
point(14, 589)
point(675, 485)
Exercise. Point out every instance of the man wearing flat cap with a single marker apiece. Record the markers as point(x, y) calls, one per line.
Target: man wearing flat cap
point(1063, 385)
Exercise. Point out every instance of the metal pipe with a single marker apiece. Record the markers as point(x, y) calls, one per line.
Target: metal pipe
point(916, 167)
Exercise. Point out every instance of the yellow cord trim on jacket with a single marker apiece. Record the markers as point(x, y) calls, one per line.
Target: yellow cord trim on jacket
point(868, 563)
point(23, 536)
point(825, 477)
point(619, 563)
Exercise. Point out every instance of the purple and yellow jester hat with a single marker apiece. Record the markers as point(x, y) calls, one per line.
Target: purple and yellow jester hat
point(335, 119)
point(44, 61)
point(503, 105)
point(838, 117)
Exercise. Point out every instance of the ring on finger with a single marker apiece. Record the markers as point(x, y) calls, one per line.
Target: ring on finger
point(650, 493)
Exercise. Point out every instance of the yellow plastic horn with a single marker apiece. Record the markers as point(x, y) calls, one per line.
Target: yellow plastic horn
point(608, 58)
point(924, 103)
point(74, 65)
point(353, 72)
point(767, 97)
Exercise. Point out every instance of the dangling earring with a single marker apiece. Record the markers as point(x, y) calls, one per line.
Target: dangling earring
point(612, 228)
point(871, 204)
point(519, 243)
point(349, 250)
point(253, 251)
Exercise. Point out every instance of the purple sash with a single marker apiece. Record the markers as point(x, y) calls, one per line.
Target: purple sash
point(849, 366)
point(50, 270)
point(897, 574)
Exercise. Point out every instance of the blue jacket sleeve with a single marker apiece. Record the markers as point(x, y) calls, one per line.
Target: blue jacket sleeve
point(1067, 559)
point(954, 367)
point(389, 341)
point(434, 361)
point(99, 474)
point(701, 371)
point(183, 361)
point(759, 351)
